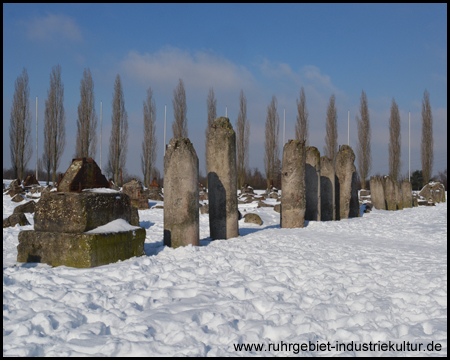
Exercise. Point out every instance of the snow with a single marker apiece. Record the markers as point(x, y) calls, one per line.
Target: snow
point(118, 225)
point(378, 278)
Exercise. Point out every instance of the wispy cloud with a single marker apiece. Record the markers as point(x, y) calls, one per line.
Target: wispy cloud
point(51, 27)
point(200, 70)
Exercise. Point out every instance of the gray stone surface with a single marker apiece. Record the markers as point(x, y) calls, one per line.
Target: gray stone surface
point(327, 189)
point(398, 195)
point(79, 250)
point(277, 208)
point(377, 193)
point(347, 204)
point(135, 190)
point(252, 219)
point(181, 215)
point(312, 184)
point(390, 193)
point(293, 200)
point(222, 180)
point(15, 219)
point(18, 198)
point(407, 194)
point(28, 207)
point(79, 212)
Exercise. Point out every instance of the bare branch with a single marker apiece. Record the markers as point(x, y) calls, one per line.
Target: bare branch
point(179, 125)
point(395, 143)
point(242, 140)
point(272, 151)
point(364, 135)
point(427, 156)
point(331, 145)
point(149, 149)
point(301, 128)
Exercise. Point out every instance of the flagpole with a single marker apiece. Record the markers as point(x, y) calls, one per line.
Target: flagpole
point(165, 119)
point(101, 115)
point(36, 138)
point(348, 141)
point(410, 146)
point(284, 127)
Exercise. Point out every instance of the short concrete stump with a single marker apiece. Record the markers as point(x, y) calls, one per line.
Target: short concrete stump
point(79, 250)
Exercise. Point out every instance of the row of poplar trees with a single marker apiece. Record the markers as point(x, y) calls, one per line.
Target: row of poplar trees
point(86, 138)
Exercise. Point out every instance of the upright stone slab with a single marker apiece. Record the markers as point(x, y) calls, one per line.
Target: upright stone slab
point(222, 180)
point(398, 195)
point(135, 191)
point(407, 197)
point(312, 184)
point(327, 196)
point(293, 197)
point(390, 193)
point(181, 215)
point(347, 204)
point(377, 193)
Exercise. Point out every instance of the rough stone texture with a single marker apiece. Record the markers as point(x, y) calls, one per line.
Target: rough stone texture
point(15, 188)
point(135, 191)
point(364, 192)
point(18, 198)
point(181, 215)
point(154, 192)
point(83, 173)
point(377, 193)
point(80, 212)
point(293, 199)
point(312, 184)
point(263, 204)
point(277, 208)
point(15, 219)
point(79, 250)
point(28, 207)
point(204, 209)
point(390, 193)
point(222, 180)
point(252, 219)
point(347, 204)
point(327, 189)
point(415, 198)
point(398, 195)
point(30, 180)
point(246, 189)
point(407, 194)
point(438, 192)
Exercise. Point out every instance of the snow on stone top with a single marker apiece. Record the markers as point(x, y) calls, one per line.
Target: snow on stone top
point(101, 190)
point(118, 225)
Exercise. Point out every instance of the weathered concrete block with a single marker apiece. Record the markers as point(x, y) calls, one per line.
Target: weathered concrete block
point(18, 198)
point(347, 204)
point(398, 195)
point(135, 191)
point(30, 180)
point(327, 189)
point(83, 173)
point(79, 212)
point(79, 250)
point(293, 199)
point(312, 184)
point(252, 219)
point(390, 193)
point(222, 180)
point(438, 192)
point(28, 207)
point(181, 215)
point(407, 194)
point(15, 219)
point(377, 193)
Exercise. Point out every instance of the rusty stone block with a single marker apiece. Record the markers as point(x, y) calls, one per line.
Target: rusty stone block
point(83, 173)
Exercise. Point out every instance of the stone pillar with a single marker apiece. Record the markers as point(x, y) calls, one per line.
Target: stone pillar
point(347, 204)
point(312, 184)
point(398, 195)
point(407, 194)
point(222, 180)
point(390, 193)
point(377, 193)
point(327, 178)
point(293, 199)
point(181, 215)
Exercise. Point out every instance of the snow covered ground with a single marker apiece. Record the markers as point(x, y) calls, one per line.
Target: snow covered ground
point(380, 278)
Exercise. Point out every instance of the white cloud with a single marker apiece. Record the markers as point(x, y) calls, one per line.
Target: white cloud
point(198, 71)
point(51, 27)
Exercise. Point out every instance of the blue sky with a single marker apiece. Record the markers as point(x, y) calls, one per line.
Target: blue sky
point(387, 50)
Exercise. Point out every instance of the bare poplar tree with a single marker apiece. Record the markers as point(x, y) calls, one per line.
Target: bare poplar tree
point(119, 132)
point(331, 145)
point(395, 143)
point(272, 150)
point(20, 126)
point(86, 142)
point(179, 125)
point(242, 140)
point(211, 107)
point(301, 128)
point(364, 134)
point(55, 121)
point(149, 148)
point(427, 138)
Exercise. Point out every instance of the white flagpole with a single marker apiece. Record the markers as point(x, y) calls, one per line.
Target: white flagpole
point(284, 126)
point(36, 138)
point(410, 146)
point(348, 141)
point(165, 119)
point(226, 112)
point(101, 115)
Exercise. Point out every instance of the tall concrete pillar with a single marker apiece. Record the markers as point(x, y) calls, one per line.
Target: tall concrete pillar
point(312, 184)
point(222, 180)
point(293, 200)
point(407, 194)
point(327, 178)
point(377, 193)
point(347, 204)
point(390, 193)
point(398, 195)
point(181, 215)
